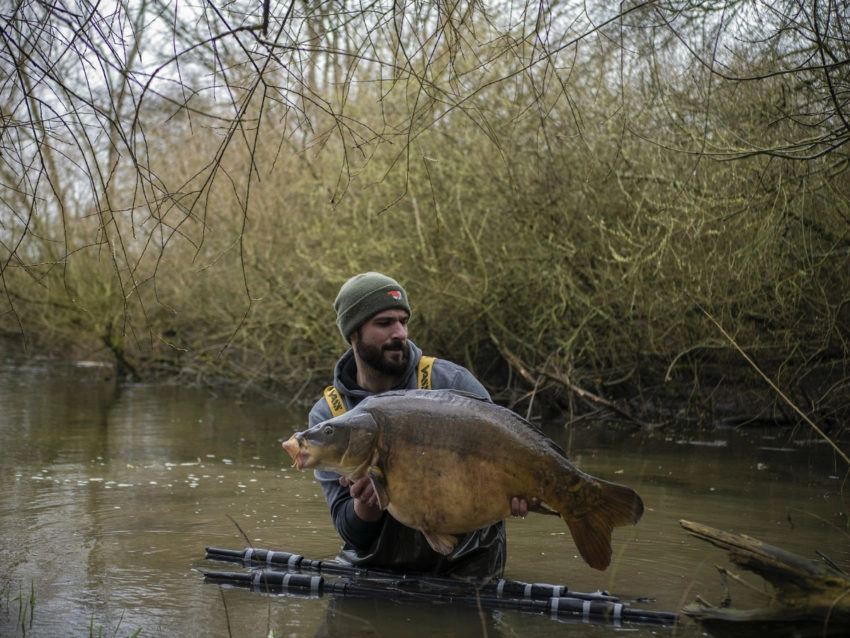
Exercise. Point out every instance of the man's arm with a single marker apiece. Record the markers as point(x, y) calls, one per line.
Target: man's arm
point(357, 523)
point(354, 530)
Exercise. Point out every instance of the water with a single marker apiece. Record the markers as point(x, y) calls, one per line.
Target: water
point(111, 495)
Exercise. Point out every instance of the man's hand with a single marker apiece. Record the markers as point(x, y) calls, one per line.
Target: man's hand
point(365, 500)
point(519, 506)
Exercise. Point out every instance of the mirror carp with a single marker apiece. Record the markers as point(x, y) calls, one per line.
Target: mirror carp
point(446, 462)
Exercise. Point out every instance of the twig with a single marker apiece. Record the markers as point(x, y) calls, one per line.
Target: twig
point(226, 613)
point(594, 398)
point(560, 378)
point(770, 382)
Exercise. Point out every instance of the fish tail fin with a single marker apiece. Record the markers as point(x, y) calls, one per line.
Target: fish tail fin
point(617, 505)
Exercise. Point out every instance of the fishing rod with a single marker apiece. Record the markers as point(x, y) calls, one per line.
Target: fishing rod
point(501, 593)
point(559, 607)
point(500, 588)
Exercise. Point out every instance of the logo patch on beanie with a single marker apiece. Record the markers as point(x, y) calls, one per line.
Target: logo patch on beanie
point(395, 294)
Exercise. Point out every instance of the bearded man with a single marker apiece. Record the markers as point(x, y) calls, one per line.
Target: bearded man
point(372, 312)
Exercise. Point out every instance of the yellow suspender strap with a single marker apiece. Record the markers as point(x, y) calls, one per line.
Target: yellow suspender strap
point(334, 401)
point(423, 382)
point(423, 378)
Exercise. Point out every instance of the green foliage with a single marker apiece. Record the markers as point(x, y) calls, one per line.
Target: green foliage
point(24, 606)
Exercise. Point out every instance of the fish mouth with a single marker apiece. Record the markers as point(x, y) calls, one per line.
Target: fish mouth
point(294, 449)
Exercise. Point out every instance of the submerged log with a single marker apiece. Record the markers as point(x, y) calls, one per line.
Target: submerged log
point(809, 598)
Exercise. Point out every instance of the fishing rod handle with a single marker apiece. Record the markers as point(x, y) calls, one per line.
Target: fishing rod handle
point(288, 582)
point(264, 580)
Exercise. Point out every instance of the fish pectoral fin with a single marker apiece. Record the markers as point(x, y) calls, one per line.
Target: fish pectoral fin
point(440, 543)
point(379, 484)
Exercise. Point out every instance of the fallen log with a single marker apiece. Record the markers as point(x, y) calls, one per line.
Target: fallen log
point(809, 597)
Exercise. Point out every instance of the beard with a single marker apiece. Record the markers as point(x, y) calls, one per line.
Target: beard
point(376, 357)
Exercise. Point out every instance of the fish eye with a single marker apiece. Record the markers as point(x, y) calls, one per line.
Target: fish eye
point(328, 430)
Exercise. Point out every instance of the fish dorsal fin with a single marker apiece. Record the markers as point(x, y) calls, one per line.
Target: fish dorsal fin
point(442, 394)
point(554, 446)
point(536, 429)
point(469, 395)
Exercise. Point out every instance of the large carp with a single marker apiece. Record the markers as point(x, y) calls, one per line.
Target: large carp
point(446, 462)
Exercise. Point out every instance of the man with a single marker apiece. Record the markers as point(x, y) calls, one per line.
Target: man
point(372, 314)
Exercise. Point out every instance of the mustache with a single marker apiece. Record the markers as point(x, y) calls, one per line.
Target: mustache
point(396, 344)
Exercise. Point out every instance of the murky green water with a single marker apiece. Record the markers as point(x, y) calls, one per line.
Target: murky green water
point(111, 495)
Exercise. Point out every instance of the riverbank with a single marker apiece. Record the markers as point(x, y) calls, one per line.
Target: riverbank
point(722, 391)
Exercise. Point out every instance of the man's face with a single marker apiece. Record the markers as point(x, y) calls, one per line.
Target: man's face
point(381, 342)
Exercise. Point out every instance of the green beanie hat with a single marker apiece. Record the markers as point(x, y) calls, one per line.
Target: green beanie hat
point(365, 295)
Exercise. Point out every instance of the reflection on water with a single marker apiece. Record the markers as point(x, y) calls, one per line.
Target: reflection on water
point(111, 495)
